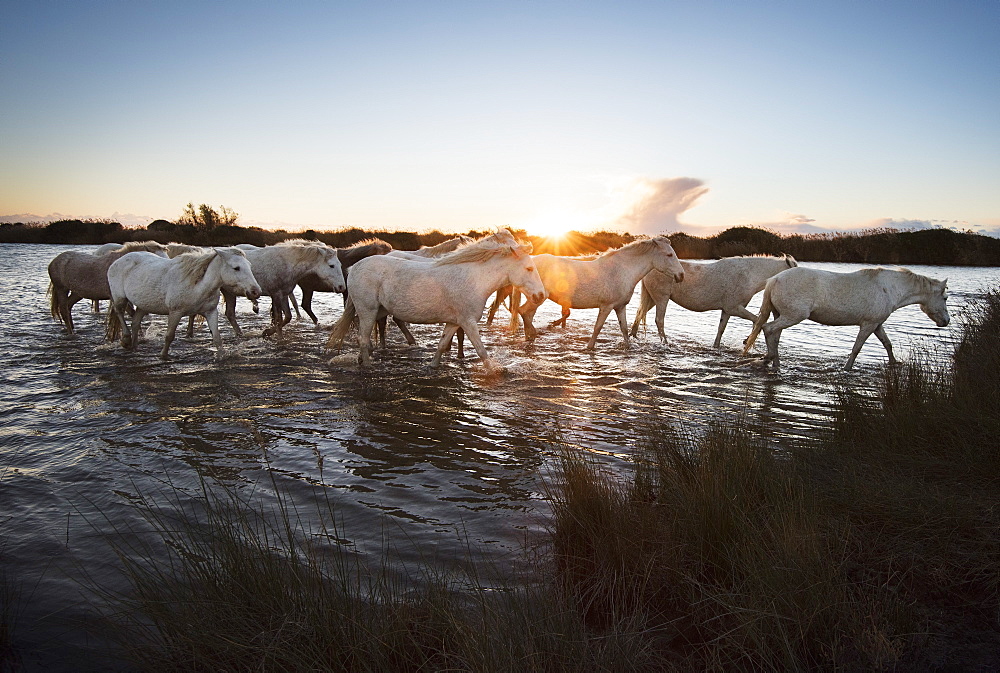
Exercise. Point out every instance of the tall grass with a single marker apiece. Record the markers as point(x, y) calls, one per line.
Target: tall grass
point(223, 587)
point(877, 548)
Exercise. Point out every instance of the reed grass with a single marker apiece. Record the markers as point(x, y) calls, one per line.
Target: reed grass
point(234, 585)
point(876, 548)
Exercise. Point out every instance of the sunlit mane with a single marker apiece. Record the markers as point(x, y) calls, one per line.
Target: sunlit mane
point(644, 245)
point(475, 253)
point(302, 242)
point(447, 246)
point(147, 246)
point(378, 243)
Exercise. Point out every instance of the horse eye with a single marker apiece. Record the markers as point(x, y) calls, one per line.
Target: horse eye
point(236, 268)
point(530, 269)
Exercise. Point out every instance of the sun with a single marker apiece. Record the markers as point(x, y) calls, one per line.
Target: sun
point(554, 224)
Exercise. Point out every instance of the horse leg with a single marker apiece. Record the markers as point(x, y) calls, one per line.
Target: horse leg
point(366, 322)
point(118, 312)
point(723, 321)
point(502, 294)
point(295, 305)
point(212, 318)
point(405, 329)
point(173, 320)
point(884, 338)
point(661, 311)
point(230, 300)
point(527, 313)
point(191, 326)
point(71, 299)
point(446, 336)
point(623, 323)
point(279, 304)
point(602, 315)
point(477, 342)
point(136, 326)
point(561, 320)
point(772, 334)
point(864, 332)
point(461, 343)
point(307, 301)
point(96, 305)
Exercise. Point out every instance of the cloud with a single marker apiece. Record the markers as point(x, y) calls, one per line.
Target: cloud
point(656, 204)
point(125, 219)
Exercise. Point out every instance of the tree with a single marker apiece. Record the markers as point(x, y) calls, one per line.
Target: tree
point(206, 218)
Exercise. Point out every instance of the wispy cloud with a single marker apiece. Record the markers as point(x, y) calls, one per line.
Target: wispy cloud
point(125, 219)
point(656, 204)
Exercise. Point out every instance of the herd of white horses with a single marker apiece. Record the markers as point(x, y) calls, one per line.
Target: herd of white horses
point(451, 283)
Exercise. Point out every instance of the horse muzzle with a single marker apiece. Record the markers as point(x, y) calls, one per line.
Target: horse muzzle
point(538, 298)
point(942, 322)
point(253, 294)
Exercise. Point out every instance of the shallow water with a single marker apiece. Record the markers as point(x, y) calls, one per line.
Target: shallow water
point(441, 465)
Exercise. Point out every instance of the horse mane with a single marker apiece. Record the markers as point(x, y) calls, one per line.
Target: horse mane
point(307, 250)
point(446, 246)
point(302, 243)
point(476, 253)
point(923, 283)
point(361, 249)
point(377, 243)
point(193, 265)
point(142, 246)
point(642, 245)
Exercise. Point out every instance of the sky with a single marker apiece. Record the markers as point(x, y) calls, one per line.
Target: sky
point(647, 117)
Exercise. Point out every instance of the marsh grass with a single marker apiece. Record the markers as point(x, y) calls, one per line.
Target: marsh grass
point(876, 548)
point(233, 585)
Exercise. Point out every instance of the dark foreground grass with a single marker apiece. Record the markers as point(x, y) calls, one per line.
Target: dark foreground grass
point(875, 549)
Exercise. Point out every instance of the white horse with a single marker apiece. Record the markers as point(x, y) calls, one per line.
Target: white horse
point(605, 282)
point(865, 298)
point(312, 283)
point(76, 275)
point(278, 268)
point(725, 285)
point(452, 289)
point(502, 236)
point(185, 285)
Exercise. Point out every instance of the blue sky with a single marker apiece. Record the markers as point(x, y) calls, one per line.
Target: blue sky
point(647, 116)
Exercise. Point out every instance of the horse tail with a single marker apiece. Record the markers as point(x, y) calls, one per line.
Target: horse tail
point(515, 304)
point(113, 324)
point(765, 313)
point(342, 327)
point(54, 303)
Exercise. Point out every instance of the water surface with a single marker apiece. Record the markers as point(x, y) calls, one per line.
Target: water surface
point(442, 465)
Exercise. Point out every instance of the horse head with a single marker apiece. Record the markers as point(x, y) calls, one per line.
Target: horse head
point(935, 303)
point(237, 274)
point(524, 275)
point(331, 271)
point(666, 262)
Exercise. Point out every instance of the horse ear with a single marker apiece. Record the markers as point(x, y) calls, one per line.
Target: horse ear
point(527, 247)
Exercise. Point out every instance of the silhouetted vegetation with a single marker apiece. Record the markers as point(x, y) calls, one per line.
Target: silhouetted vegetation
point(203, 225)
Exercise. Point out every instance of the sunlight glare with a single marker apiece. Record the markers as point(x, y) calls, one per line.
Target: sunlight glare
point(554, 224)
